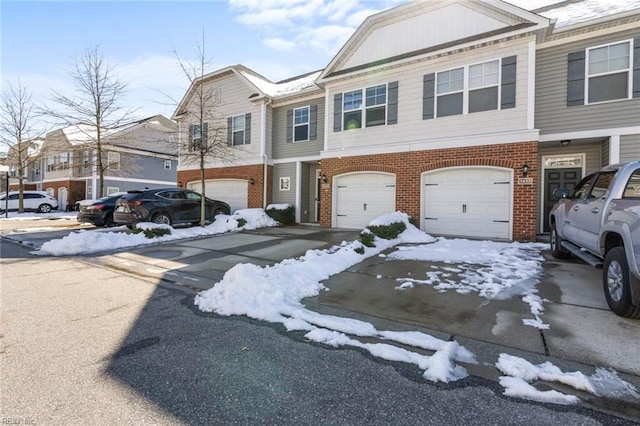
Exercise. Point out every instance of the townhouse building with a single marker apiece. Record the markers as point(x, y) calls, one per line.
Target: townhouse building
point(139, 154)
point(463, 114)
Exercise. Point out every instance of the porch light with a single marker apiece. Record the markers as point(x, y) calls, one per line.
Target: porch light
point(324, 178)
point(525, 169)
point(251, 181)
point(565, 142)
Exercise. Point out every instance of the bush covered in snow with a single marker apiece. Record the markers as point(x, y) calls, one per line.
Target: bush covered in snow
point(285, 214)
point(152, 232)
point(388, 231)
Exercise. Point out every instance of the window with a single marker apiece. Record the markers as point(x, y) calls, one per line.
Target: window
point(113, 160)
point(193, 196)
point(609, 72)
point(301, 124)
point(112, 190)
point(601, 185)
point(449, 92)
point(483, 86)
point(197, 137)
point(285, 183)
point(63, 161)
point(167, 164)
point(36, 168)
point(237, 130)
point(352, 107)
point(632, 190)
point(85, 159)
point(50, 163)
point(376, 105)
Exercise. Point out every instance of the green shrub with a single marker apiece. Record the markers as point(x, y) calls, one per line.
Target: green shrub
point(388, 232)
point(283, 216)
point(153, 232)
point(413, 221)
point(359, 250)
point(367, 238)
point(241, 222)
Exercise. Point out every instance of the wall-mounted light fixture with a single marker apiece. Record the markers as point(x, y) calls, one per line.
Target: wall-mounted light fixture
point(251, 181)
point(525, 169)
point(324, 178)
point(565, 142)
point(179, 184)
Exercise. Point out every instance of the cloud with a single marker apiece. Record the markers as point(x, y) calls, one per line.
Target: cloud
point(327, 39)
point(279, 44)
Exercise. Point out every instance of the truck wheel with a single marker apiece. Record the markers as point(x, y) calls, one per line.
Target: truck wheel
point(556, 244)
point(615, 279)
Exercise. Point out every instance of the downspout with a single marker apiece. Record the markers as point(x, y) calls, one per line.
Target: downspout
point(263, 151)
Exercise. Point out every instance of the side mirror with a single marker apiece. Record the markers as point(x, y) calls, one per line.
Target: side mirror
point(561, 193)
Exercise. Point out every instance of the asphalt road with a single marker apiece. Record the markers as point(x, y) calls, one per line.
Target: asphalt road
point(83, 344)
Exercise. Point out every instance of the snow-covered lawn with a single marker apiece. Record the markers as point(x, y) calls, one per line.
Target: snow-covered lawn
point(275, 293)
point(38, 216)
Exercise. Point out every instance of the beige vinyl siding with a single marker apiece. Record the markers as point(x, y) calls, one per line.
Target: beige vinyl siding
point(284, 149)
point(605, 153)
point(284, 170)
point(629, 148)
point(552, 113)
point(593, 160)
point(411, 128)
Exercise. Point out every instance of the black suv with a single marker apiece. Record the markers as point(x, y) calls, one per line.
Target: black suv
point(165, 205)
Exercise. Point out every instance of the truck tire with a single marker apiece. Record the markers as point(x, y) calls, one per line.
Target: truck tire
point(615, 280)
point(555, 243)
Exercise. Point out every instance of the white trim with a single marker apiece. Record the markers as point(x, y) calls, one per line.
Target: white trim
point(628, 70)
point(326, 118)
point(153, 182)
point(597, 133)
point(294, 159)
point(584, 34)
point(317, 194)
point(283, 179)
point(140, 152)
point(334, 193)
point(440, 143)
point(298, 190)
point(542, 180)
point(614, 149)
point(531, 84)
point(293, 124)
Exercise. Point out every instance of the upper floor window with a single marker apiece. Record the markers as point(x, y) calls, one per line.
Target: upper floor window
point(301, 124)
point(85, 159)
point(64, 161)
point(167, 164)
point(352, 107)
point(449, 92)
point(238, 130)
point(609, 72)
point(50, 163)
point(113, 160)
point(376, 105)
point(483, 86)
point(197, 136)
point(36, 167)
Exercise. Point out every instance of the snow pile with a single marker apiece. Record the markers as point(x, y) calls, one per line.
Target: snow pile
point(492, 269)
point(87, 241)
point(274, 294)
point(520, 373)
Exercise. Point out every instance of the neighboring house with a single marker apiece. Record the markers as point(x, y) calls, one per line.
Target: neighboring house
point(458, 113)
point(136, 155)
point(30, 158)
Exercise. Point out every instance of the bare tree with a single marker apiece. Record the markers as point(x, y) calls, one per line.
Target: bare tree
point(18, 132)
point(94, 104)
point(207, 138)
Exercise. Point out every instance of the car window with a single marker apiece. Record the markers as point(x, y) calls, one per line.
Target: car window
point(32, 196)
point(582, 189)
point(632, 190)
point(14, 196)
point(601, 185)
point(193, 196)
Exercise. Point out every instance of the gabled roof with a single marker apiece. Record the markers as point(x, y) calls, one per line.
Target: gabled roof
point(419, 29)
point(263, 87)
point(571, 12)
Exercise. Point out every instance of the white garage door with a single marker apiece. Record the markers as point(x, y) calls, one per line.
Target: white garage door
point(468, 201)
point(231, 191)
point(361, 197)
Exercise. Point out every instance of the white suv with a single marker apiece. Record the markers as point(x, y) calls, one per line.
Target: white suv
point(38, 201)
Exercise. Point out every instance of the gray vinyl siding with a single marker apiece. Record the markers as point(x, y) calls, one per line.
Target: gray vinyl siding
point(144, 167)
point(284, 149)
point(552, 115)
point(629, 148)
point(284, 170)
point(124, 186)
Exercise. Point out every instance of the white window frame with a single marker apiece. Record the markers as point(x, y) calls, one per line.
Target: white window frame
point(85, 159)
point(368, 107)
point(307, 123)
point(36, 167)
point(112, 163)
point(285, 184)
point(351, 110)
point(112, 190)
point(364, 108)
point(167, 164)
point(64, 161)
point(51, 163)
point(466, 89)
point(628, 70)
point(234, 131)
point(194, 142)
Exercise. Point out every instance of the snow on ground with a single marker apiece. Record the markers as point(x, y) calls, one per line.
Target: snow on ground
point(492, 269)
point(89, 241)
point(38, 216)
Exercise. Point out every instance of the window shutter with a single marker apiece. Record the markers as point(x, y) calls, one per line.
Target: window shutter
point(392, 102)
point(313, 122)
point(205, 135)
point(229, 131)
point(337, 112)
point(289, 125)
point(508, 83)
point(575, 78)
point(428, 96)
point(190, 145)
point(636, 67)
point(247, 128)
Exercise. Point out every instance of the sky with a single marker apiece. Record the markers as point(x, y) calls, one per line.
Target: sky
point(494, 270)
point(279, 39)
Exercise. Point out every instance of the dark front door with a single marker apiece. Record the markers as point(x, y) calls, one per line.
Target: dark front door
point(554, 179)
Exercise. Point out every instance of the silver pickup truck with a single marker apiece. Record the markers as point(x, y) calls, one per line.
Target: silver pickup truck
point(599, 222)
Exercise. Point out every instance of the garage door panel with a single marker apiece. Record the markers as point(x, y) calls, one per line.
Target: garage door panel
point(470, 201)
point(231, 191)
point(362, 197)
